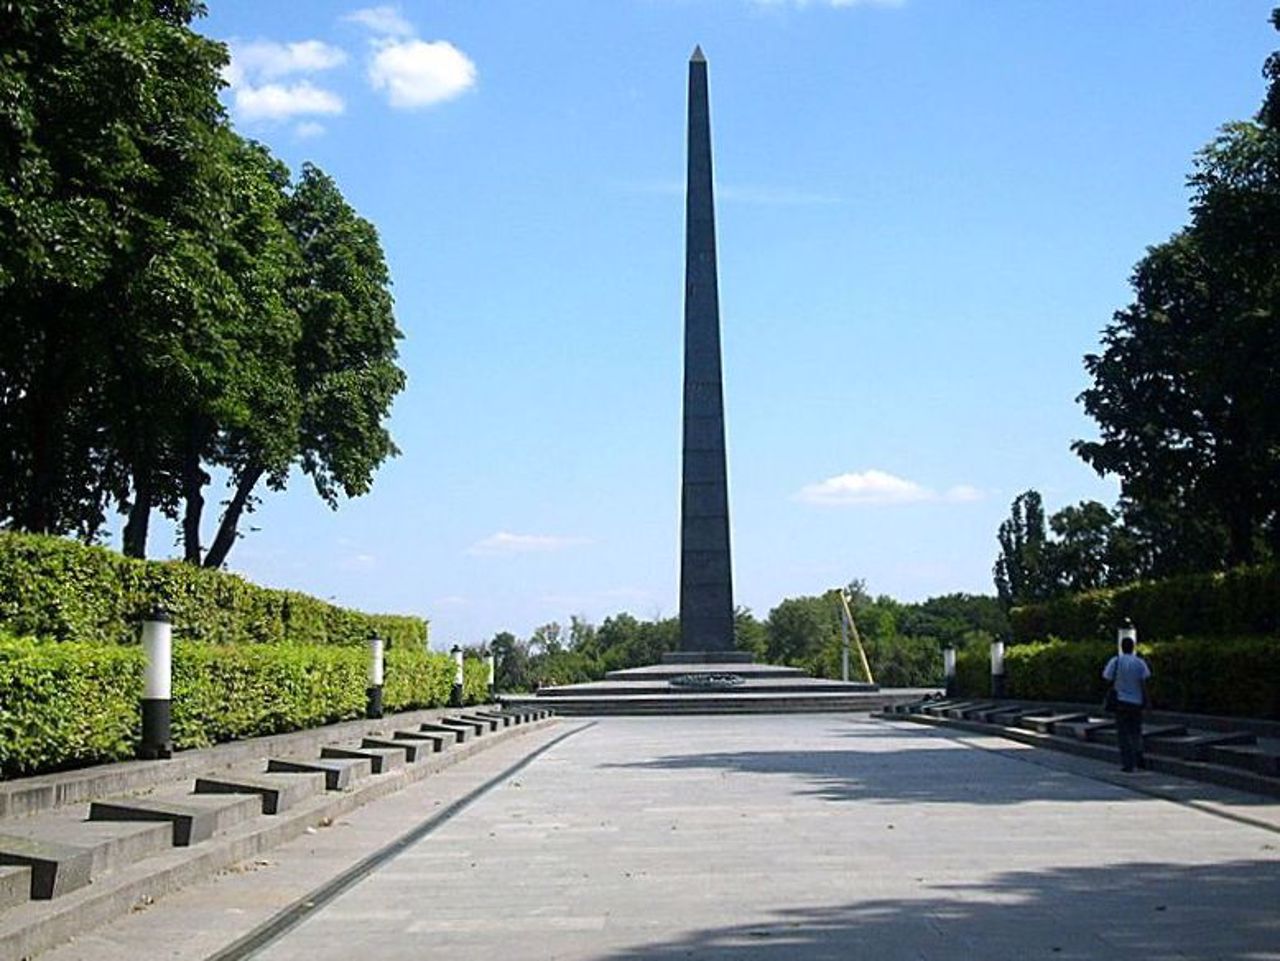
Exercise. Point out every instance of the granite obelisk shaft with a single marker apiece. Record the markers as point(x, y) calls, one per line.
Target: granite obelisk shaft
point(706, 580)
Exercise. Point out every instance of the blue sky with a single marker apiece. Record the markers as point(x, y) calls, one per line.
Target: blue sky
point(927, 211)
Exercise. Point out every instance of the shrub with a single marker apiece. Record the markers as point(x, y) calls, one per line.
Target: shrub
point(70, 704)
point(57, 589)
point(1229, 676)
point(1237, 603)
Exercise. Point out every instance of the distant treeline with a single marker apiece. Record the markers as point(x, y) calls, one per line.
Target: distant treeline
point(903, 641)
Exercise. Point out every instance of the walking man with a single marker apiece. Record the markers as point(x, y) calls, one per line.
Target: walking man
point(1129, 673)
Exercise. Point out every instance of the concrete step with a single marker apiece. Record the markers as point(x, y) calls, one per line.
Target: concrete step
point(1195, 745)
point(414, 750)
point(339, 773)
point(279, 792)
point(490, 723)
point(726, 703)
point(504, 720)
point(1149, 731)
point(971, 709)
point(111, 844)
point(477, 728)
point(1044, 723)
point(442, 739)
point(382, 759)
point(1084, 730)
point(194, 817)
point(15, 884)
point(1248, 757)
point(55, 868)
point(459, 732)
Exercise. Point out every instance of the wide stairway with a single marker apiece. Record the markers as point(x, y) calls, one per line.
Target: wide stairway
point(81, 847)
point(711, 688)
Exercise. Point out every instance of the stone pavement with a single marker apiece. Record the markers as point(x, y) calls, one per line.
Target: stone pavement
point(762, 838)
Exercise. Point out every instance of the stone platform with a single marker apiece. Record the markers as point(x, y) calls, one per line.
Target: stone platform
point(764, 689)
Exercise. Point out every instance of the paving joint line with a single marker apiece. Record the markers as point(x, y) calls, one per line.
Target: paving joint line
point(966, 736)
point(294, 914)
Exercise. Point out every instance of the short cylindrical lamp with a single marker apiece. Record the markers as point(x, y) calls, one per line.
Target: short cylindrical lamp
point(377, 666)
point(1126, 631)
point(456, 698)
point(997, 669)
point(157, 687)
point(492, 665)
point(949, 670)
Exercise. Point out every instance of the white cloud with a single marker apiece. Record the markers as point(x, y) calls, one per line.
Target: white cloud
point(504, 542)
point(308, 129)
point(877, 487)
point(276, 101)
point(415, 73)
point(261, 60)
point(385, 21)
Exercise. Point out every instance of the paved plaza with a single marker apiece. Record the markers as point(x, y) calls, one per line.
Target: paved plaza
point(760, 838)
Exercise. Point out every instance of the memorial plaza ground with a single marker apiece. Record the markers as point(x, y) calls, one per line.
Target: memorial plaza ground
point(750, 837)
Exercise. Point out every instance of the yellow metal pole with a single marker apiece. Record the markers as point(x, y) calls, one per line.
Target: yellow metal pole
point(853, 626)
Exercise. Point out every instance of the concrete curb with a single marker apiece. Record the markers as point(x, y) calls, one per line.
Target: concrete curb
point(37, 926)
point(45, 792)
point(1237, 779)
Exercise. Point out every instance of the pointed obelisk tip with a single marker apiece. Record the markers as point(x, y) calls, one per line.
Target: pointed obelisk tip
point(698, 55)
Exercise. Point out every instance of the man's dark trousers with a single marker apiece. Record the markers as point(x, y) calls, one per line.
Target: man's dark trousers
point(1129, 734)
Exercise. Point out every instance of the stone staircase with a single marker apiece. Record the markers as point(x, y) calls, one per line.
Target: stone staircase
point(761, 689)
point(1242, 753)
point(60, 847)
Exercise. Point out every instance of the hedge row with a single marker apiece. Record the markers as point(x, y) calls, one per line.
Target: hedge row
point(1237, 603)
point(1228, 676)
point(71, 704)
point(60, 590)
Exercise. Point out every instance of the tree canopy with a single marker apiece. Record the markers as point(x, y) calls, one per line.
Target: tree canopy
point(176, 307)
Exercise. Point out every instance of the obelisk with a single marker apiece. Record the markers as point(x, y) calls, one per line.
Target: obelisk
point(706, 579)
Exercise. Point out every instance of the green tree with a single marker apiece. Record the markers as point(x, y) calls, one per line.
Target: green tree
point(345, 375)
point(1023, 571)
point(107, 112)
point(1186, 390)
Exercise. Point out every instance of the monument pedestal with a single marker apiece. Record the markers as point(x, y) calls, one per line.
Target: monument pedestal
point(708, 657)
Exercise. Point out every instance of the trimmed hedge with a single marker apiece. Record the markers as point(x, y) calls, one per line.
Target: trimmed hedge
point(57, 589)
point(1236, 603)
point(71, 704)
point(1228, 676)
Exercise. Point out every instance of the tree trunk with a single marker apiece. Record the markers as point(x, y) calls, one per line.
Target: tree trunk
point(227, 534)
point(193, 480)
point(135, 531)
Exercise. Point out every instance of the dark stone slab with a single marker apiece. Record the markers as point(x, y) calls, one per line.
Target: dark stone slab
point(490, 723)
point(15, 885)
point(504, 720)
point(339, 773)
point(1149, 731)
point(1195, 747)
point(382, 759)
point(279, 792)
point(414, 750)
point(1044, 723)
point(476, 728)
point(1083, 730)
point(1248, 757)
point(192, 822)
point(56, 869)
point(439, 728)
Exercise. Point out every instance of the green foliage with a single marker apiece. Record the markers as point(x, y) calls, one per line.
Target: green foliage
point(60, 590)
point(1228, 676)
point(1186, 389)
point(65, 704)
point(1239, 602)
point(70, 704)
